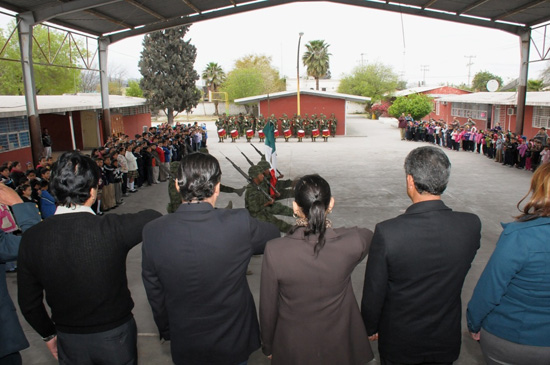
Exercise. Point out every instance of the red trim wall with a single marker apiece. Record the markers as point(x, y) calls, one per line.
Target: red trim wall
point(133, 124)
point(60, 130)
point(22, 155)
point(309, 104)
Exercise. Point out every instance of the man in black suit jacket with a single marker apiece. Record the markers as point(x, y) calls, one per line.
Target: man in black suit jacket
point(194, 271)
point(416, 268)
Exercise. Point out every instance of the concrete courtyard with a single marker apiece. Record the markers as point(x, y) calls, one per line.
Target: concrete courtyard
point(365, 170)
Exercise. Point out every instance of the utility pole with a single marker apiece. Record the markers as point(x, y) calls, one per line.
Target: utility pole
point(362, 54)
point(423, 69)
point(469, 64)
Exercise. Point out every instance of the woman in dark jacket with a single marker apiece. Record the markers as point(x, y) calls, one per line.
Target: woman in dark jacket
point(308, 312)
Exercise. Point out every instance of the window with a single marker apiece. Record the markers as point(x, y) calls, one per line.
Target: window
point(468, 110)
point(133, 110)
point(14, 133)
point(541, 117)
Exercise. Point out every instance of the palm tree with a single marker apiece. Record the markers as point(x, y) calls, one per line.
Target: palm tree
point(316, 60)
point(535, 85)
point(214, 77)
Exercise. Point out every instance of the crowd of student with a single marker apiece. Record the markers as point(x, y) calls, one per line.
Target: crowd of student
point(129, 164)
point(505, 147)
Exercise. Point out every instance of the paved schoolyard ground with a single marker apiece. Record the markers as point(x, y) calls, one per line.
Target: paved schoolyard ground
point(365, 170)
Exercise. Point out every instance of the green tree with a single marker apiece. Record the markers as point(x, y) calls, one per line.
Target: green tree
point(49, 80)
point(479, 83)
point(545, 75)
point(272, 82)
point(169, 78)
point(374, 80)
point(243, 82)
point(316, 60)
point(535, 85)
point(419, 105)
point(252, 75)
point(214, 76)
point(134, 89)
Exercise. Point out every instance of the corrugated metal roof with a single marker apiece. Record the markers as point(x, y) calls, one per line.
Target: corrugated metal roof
point(118, 19)
point(14, 105)
point(282, 94)
point(541, 98)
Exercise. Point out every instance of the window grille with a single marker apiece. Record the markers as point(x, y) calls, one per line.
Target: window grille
point(14, 133)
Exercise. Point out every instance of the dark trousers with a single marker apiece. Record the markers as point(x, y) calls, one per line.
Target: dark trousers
point(124, 182)
point(11, 359)
point(387, 362)
point(114, 347)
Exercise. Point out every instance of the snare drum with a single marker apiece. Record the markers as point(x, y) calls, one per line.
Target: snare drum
point(234, 133)
point(315, 133)
point(221, 132)
point(301, 133)
point(287, 133)
point(249, 133)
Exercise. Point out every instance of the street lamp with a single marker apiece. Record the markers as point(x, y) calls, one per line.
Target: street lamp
point(298, 73)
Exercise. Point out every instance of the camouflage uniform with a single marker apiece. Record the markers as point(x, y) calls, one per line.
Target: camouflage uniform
point(284, 187)
point(255, 202)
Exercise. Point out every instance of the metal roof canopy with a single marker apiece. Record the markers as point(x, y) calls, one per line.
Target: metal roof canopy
point(119, 19)
point(114, 20)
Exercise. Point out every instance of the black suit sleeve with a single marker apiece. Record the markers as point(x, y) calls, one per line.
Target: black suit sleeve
point(260, 233)
point(154, 290)
point(129, 227)
point(376, 283)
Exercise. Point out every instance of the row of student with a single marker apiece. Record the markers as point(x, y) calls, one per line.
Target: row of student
point(127, 165)
point(504, 147)
point(201, 302)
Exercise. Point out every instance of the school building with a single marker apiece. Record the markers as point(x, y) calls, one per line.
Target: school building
point(73, 122)
point(311, 102)
point(487, 109)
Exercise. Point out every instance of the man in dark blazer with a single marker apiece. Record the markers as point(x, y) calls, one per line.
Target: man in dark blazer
point(12, 338)
point(194, 271)
point(416, 268)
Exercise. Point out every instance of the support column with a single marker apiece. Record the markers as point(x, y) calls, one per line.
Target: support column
point(24, 30)
point(525, 40)
point(103, 44)
point(71, 123)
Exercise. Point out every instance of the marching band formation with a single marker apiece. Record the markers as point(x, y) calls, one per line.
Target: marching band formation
point(313, 126)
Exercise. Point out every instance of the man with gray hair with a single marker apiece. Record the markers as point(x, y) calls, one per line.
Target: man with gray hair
point(416, 268)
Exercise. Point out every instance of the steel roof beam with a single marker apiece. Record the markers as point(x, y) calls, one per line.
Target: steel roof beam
point(174, 22)
point(514, 29)
point(519, 9)
point(429, 3)
point(109, 18)
point(49, 12)
point(190, 4)
point(146, 9)
point(472, 6)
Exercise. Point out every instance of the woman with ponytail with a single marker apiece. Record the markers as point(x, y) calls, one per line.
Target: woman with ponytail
point(308, 311)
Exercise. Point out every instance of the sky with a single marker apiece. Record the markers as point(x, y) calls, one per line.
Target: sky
point(356, 36)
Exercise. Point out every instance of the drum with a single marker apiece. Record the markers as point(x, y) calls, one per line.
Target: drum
point(249, 133)
point(261, 134)
point(221, 132)
point(315, 133)
point(276, 133)
point(287, 133)
point(234, 133)
point(301, 133)
point(326, 133)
